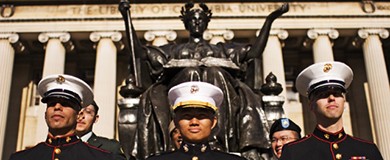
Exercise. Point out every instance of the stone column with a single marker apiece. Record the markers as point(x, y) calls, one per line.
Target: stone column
point(322, 47)
point(159, 38)
point(273, 57)
point(105, 81)
point(7, 54)
point(378, 84)
point(216, 36)
point(55, 52)
point(273, 62)
point(54, 63)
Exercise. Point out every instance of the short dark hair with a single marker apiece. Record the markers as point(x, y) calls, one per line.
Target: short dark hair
point(96, 107)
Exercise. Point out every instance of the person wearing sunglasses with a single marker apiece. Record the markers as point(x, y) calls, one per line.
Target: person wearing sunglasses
point(64, 96)
point(325, 84)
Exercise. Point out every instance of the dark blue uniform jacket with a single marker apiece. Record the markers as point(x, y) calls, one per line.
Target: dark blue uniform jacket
point(189, 151)
point(65, 148)
point(330, 146)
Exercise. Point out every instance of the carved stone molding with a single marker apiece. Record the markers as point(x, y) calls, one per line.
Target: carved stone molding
point(314, 33)
point(62, 36)
point(364, 33)
point(282, 34)
point(11, 37)
point(114, 36)
point(225, 33)
point(152, 35)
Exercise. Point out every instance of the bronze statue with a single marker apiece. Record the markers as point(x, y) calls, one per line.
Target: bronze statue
point(242, 125)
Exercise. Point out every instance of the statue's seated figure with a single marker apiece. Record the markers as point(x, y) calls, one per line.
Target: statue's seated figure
point(242, 124)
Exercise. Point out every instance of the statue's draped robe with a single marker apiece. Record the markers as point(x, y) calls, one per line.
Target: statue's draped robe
point(241, 121)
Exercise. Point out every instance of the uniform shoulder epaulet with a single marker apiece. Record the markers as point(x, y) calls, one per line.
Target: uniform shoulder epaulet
point(161, 154)
point(306, 137)
point(361, 140)
point(96, 148)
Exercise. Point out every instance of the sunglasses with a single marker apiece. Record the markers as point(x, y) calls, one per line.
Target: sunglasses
point(325, 93)
point(65, 103)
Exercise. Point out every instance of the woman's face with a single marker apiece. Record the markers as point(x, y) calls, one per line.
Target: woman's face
point(197, 24)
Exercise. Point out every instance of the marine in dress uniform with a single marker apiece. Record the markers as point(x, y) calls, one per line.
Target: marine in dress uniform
point(64, 95)
point(196, 103)
point(325, 85)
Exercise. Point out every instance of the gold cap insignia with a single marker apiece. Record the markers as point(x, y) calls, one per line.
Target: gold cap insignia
point(60, 79)
point(194, 89)
point(327, 67)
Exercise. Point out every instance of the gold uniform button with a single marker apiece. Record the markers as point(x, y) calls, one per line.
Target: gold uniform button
point(195, 158)
point(57, 151)
point(335, 146)
point(339, 156)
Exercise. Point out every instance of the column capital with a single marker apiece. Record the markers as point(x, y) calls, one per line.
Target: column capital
point(168, 34)
point(364, 33)
point(113, 35)
point(225, 33)
point(62, 36)
point(314, 33)
point(280, 33)
point(11, 37)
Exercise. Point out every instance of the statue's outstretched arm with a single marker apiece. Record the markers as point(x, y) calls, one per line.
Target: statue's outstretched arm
point(261, 40)
point(136, 48)
point(124, 8)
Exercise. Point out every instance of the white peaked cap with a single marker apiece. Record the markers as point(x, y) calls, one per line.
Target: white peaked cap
point(195, 94)
point(67, 87)
point(323, 74)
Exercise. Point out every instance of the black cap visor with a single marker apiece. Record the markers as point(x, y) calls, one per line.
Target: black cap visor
point(327, 90)
point(73, 99)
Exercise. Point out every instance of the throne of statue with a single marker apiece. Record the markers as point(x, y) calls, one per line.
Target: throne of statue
point(145, 112)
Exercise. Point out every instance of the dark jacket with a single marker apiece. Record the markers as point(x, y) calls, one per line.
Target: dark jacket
point(189, 151)
point(110, 145)
point(324, 145)
point(65, 148)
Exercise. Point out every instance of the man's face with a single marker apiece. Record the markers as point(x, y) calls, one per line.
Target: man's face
point(195, 124)
point(280, 138)
point(328, 104)
point(176, 138)
point(60, 116)
point(86, 117)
